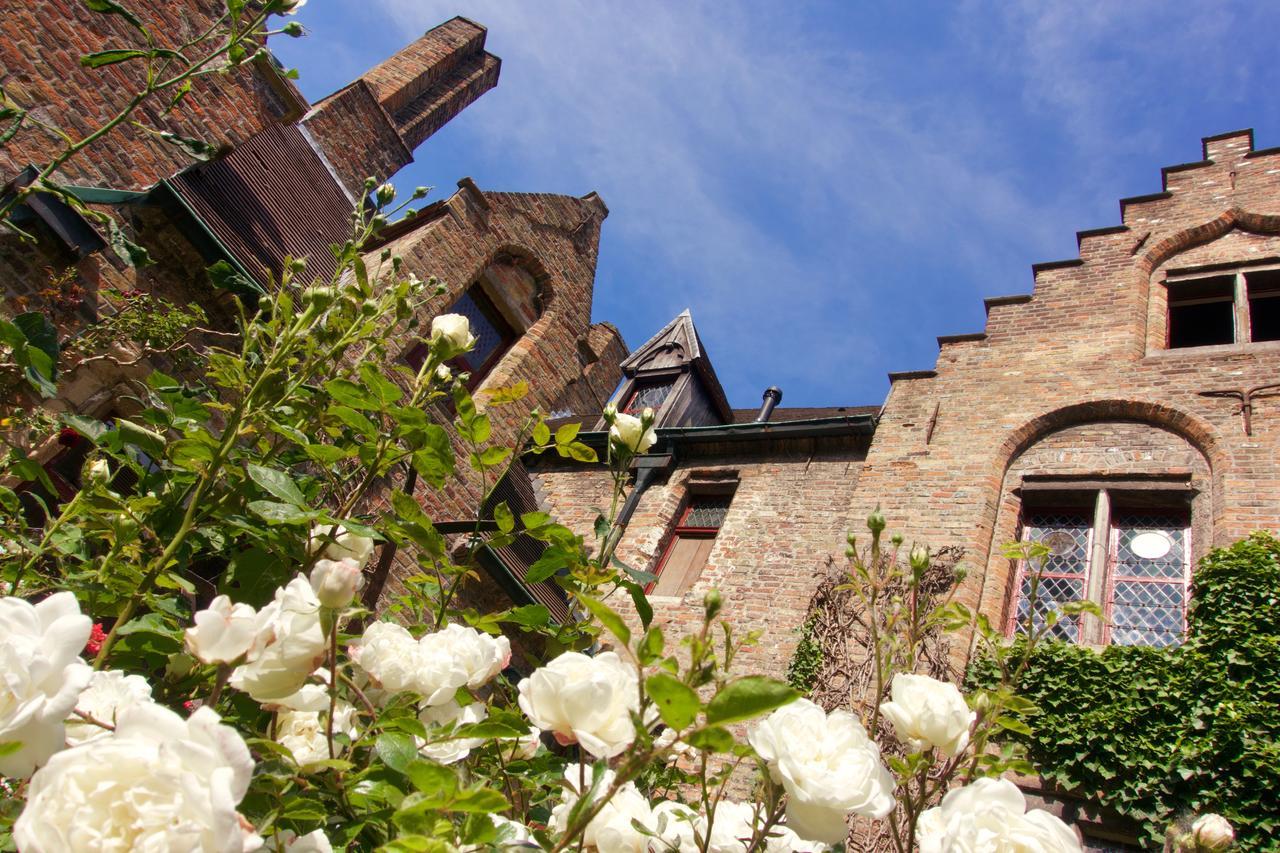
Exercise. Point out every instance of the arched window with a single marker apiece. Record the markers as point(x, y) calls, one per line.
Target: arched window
point(500, 307)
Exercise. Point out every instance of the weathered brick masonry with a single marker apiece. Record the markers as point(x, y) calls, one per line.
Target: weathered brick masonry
point(1075, 379)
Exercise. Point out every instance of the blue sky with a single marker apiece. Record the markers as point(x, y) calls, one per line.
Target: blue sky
point(827, 185)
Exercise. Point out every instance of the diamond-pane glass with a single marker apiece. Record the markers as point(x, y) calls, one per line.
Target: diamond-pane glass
point(1132, 564)
point(706, 512)
point(1053, 592)
point(1064, 573)
point(489, 338)
point(1149, 580)
point(648, 396)
point(1067, 537)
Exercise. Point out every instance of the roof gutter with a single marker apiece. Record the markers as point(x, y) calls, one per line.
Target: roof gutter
point(669, 437)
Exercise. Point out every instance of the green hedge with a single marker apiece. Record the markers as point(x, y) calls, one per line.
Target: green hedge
point(1159, 733)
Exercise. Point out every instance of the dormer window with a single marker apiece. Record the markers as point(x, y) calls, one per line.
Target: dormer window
point(648, 394)
point(1232, 307)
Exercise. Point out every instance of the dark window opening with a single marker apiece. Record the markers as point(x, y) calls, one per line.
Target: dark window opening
point(1202, 312)
point(650, 394)
point(1264, 305)
point(493, 334)
point(690, 544)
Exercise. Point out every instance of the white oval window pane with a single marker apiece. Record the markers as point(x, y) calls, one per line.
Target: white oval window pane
point(1151, 544)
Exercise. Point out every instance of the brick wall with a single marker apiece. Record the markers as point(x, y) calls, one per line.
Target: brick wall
point(788, 516)
point(554, 240)
point(1078, 351)
point(44, 36)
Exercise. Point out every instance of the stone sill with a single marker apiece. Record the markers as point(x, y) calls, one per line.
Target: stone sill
point(1260, 348)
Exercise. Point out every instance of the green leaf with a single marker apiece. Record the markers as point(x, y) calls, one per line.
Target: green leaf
point(40, 333)
point(277, 483)
point(641, 601)
point(427, 777)
point(325, 454)
point(353, 395)
point(579, 452)
point(109, 7)
point(608, 618)
point(551, 561)
point(650, 647)
point(280, 513)
point(677, 702)
point(226, 277)
point(398, 751)
point(528, 615)
point(111, 57)
point(748, 697)
point(491, 457)
point(387, 392)
point(355, 420)
point(479, 800)
point(541, 434)
point(502, 515)
point(252, 576)
point(712, 739)
point(567, 433)
point(127, 250)
point(510, 394)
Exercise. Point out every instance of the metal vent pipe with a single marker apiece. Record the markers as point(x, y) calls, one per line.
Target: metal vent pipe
point(772, 397)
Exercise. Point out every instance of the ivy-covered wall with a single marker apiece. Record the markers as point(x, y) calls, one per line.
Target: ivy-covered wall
point(1158, 733)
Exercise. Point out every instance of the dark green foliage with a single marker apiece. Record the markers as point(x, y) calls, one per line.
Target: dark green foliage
point(1160, 733)
point(806, 663)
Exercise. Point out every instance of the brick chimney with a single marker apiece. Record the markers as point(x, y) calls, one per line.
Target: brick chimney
point(371, 126)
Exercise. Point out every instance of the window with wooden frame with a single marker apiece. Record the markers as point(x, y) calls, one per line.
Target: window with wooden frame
point(493, 334)
point(690, 543)
point(1225, 307)
point(647, 394)
point(1127, 553)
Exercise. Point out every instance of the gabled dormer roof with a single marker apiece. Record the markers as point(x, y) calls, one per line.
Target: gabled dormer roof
point(677, 345)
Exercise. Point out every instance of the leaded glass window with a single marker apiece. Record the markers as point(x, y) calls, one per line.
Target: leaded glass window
point(1064, 576)
point(690, 543)
point(1135, 564)
point(648, 395)
point(1147, 601)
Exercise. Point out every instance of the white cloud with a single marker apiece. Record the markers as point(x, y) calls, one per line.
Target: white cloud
point(773, 176)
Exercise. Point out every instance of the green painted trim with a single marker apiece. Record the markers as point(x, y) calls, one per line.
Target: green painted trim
point(104, 195)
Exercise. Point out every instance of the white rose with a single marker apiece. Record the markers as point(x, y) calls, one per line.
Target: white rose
point(336, 582)
point(388, 653)
point(627, 432)
point(434, 666)
point(610, 831)
point(223, 631)
point(41, 676)
point(1213, 832)
point(584, 700)
point(481, 655)
point(291, 7)
point(342, 545)
point(439, 747)
point(926, 712)
point(288, 643)
point(668, 740)
point(157, 783)
point(304, 733)
point(109, 693)
point(991, 814)
point(454, 330)
point(312, 842)
point(828, 766)
point(309, 697)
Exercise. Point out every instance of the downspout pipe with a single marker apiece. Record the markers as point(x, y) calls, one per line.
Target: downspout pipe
point(649, 468)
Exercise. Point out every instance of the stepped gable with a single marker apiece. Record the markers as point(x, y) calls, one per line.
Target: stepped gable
point(1230, 191)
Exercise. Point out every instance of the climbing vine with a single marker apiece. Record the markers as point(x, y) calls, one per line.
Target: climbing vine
point(1156, 734)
